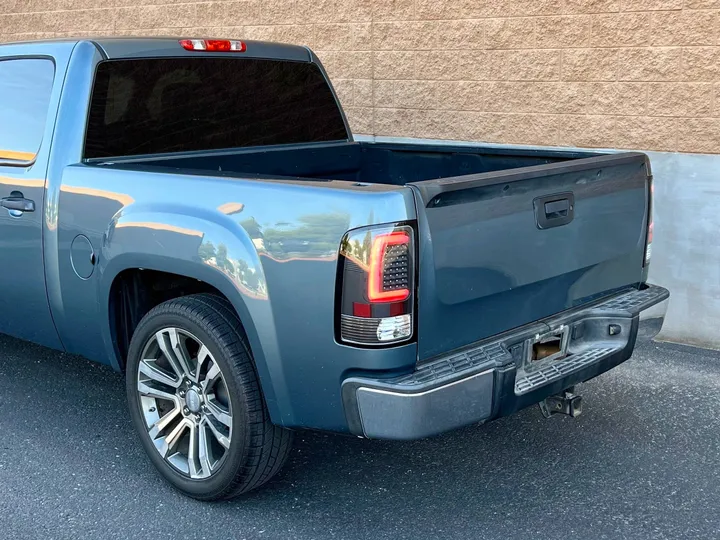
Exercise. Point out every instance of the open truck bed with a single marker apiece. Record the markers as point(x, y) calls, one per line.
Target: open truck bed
point(506, 236)
point(378, 163)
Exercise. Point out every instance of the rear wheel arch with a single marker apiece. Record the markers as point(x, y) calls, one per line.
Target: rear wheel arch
point(150, 285)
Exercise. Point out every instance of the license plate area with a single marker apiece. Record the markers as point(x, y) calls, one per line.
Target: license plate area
point(548, 347)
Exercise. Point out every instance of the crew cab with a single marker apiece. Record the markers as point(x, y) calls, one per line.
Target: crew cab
point(197, 214)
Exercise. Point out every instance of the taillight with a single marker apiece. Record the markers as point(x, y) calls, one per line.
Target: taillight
point(388, 279)
point(651, 224)
point(377, 284)
point(213, 45)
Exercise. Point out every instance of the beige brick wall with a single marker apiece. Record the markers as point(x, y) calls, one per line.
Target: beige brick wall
point(606, 73)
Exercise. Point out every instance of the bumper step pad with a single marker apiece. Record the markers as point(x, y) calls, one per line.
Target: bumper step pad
point(527, 382)
point(635, 301)
point(495, 353)
point(469, 361)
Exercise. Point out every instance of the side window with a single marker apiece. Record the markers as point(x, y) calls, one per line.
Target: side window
point(25, 87)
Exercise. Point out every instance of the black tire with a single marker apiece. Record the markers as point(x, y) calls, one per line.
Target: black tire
point(258, 449)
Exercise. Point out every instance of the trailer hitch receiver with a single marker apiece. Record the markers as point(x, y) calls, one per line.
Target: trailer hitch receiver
point(566, 403)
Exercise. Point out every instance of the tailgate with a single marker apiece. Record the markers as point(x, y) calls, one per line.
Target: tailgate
point(502, 249)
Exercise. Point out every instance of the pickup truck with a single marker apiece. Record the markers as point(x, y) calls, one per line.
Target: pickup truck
point(197, 214)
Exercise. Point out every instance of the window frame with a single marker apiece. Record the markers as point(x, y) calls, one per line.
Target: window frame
point(4, 162)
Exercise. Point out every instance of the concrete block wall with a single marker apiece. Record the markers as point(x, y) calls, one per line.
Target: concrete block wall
point(592, 73)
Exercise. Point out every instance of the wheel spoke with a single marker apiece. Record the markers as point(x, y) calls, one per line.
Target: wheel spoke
point(203, 354)
point(193, 451)
point(174, 350)
point(147, 389)
point(222, 439)
point(204, 450)
point(159, 426)
point(156, 374)
point(174, 437)
point(212, 374)
point(220, 413)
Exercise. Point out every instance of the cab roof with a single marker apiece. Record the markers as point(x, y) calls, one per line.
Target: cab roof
point(114, 48)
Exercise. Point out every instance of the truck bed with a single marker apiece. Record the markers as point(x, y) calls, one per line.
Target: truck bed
point(495, 253)
point(375, 163)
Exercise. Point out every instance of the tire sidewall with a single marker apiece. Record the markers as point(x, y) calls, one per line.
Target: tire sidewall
point(236, 455)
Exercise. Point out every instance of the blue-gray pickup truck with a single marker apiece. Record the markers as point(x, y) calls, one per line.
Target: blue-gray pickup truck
point(196, 214)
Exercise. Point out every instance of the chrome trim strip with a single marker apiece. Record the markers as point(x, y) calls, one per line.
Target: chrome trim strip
point(420, 394)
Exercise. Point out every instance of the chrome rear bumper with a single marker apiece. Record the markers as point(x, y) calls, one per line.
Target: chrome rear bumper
point(493, 377)
point(652, 320)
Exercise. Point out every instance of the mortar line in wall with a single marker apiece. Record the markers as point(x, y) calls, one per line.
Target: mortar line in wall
point(373, 50)
point(490, 49)
point(414, 18)
point(556, 48)
point(548, 81)
point(583, 114)
point(537, 16)
point(388, 21)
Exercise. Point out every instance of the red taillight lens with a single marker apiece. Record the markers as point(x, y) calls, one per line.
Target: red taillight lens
point(213, 45)
point(388, 278)
point(362, 310)
point(376, 285)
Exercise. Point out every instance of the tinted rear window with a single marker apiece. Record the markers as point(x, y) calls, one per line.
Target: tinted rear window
point(151, 106)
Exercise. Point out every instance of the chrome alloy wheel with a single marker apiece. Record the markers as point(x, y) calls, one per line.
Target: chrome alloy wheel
point(185, 402)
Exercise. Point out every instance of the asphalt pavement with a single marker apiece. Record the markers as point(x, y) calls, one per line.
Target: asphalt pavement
point(643, 461)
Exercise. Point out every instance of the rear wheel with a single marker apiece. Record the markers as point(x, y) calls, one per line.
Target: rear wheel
point(196, 402)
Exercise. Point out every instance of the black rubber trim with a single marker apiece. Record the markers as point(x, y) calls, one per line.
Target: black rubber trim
point(429, 189)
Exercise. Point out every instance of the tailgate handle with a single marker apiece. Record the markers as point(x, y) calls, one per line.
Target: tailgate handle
point(554, 210)
point(557, 209)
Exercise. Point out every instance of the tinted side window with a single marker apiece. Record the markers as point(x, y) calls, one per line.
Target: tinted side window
point(25, 87)
point(161, 105)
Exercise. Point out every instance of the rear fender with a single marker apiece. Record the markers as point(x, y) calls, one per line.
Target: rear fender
point(212, 249)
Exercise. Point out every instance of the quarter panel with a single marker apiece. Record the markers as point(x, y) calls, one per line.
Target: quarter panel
point(270, 246)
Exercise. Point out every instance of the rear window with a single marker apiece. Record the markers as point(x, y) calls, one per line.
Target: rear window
point(161, 105)
point(25, 87)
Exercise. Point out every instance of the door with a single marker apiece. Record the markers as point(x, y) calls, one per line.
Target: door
point(25, 89)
